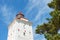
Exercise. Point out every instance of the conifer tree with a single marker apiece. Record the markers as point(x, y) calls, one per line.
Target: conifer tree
point(50, 29)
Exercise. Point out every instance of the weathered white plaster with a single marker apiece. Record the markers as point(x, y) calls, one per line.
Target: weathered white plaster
point(17, 28)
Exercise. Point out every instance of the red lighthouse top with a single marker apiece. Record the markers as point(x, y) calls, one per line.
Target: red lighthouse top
point(20, 16)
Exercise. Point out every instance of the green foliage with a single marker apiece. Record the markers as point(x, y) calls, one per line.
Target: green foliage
point(50, 29)
point(55, 4)
point(51, 5)
point(50, 37)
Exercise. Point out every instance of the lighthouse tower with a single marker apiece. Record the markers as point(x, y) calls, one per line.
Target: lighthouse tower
point(20, 29)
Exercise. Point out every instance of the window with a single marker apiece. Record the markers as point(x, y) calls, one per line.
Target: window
point(29, 32)
point(24, 33)
point(18, 29)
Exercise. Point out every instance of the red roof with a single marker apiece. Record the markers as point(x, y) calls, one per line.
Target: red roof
point(20, 13)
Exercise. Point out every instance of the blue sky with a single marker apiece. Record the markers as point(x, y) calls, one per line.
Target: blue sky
point(35, 11)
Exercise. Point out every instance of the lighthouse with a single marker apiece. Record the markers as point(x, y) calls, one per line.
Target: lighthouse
point(20, 29)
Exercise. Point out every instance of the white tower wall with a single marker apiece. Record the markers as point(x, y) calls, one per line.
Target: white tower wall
point(20, 30)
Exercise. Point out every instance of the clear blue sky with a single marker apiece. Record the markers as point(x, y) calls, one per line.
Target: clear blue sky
point(34, 10)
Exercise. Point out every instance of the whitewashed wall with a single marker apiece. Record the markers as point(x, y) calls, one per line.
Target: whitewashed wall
point(17, 28)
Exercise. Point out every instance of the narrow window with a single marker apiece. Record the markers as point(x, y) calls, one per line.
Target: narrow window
point(18, 29)
point(24, 33)
point(29, 32)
